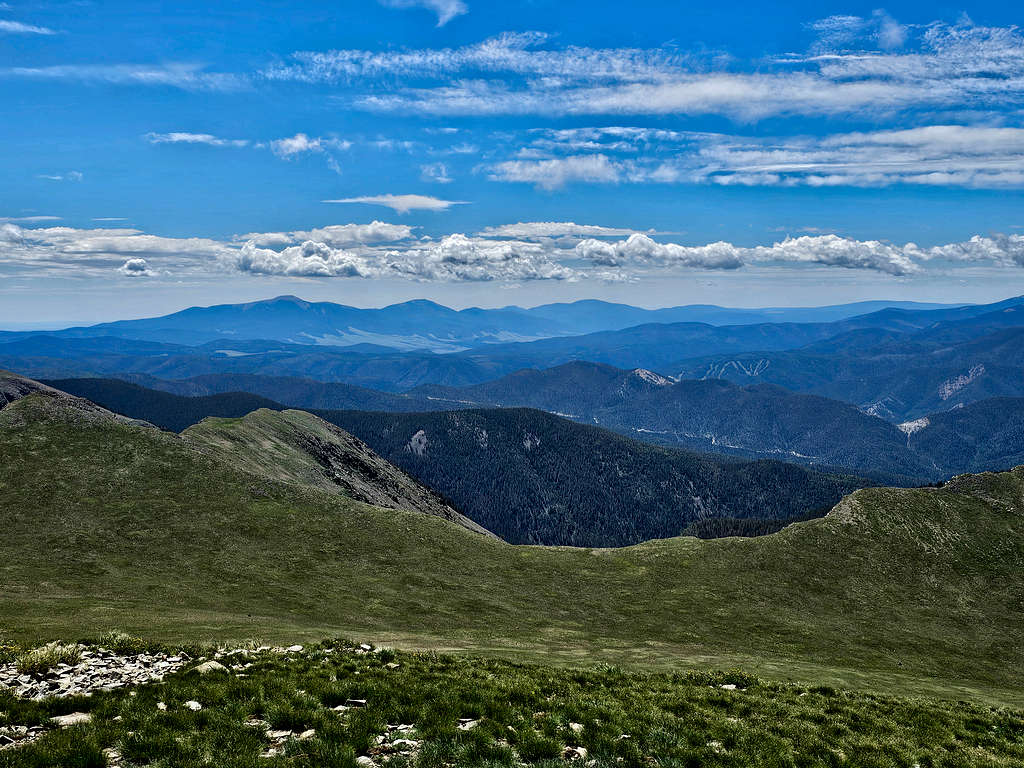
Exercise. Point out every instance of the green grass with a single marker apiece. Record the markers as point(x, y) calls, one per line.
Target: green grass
point(910, 592)
point(523, 713)
point(40, 660)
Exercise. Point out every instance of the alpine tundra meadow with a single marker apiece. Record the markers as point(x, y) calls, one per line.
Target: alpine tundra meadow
point(464, 384)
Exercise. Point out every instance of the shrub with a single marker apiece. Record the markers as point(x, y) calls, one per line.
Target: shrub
point(41, 660)
point(122, 643)
point(8, 651)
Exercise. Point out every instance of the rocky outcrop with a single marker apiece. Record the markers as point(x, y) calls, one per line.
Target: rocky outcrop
point(97, 670)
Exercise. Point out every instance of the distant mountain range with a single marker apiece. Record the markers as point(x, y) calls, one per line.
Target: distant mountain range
point(687, 350)
point(424, 325)
point(762, 420)
point(897, 376)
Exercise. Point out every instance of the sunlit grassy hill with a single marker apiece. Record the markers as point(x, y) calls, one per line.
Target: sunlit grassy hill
point(110, 524)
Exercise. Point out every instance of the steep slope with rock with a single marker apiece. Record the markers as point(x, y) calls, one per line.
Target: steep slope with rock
point(298, 447)
point(535, 478)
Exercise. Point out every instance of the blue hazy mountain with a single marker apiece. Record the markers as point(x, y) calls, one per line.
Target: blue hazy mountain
point(425, 325)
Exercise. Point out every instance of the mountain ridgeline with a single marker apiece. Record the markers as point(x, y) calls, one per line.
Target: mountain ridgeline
point(533, 477)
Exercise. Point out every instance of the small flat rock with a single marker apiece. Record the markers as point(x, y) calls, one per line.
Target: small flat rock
point(294, 649)
point(307, 734)
point(195, 706)
point(352, 703)
point(161, 706)
point(728, 687)
point(576, 728)
point(468, 724)
point(574, 753)
point(210, 666)
point(278, 735)
point(364, 762)
point(75, 718)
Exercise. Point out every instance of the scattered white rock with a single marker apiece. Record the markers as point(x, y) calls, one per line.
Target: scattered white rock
point(195, 706)
point(75, 718)
point(574, 753)
point(728, 687)
point(294, 649)
point(161, 706)
point(468, 723)
point(364, 762)
point(576, 728)
point(97, 670)
point(210, 666)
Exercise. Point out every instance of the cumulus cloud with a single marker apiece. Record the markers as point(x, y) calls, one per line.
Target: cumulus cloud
point(309, 259)
point(455, 258)
point(515, 252)
point(835, 251)
point(11, 233)
point(1007, 250)
point(336, 235)
point(446, 10)
point(181, 137)
point(402, 203)
point(17, 28)
point(827, 250)
point(640, 249)
point(529, 230)
point(136, 268)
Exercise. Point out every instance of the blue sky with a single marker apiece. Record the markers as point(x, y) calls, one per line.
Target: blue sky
point(158, 155)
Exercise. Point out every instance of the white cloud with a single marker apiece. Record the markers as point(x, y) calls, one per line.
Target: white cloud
point(295, 145)
point(557, 172)
point(517, 53)
point(828, 250)
point(435, 172)
point(402, 203)
point(446, 10)
point(184, 75)
point(336, 235)
point(835, 251)
point(455, 258)
point(180, 137)
point(27, 219)
point(17, 28)
point(640, 249)
point(979, 156)
point(530, 230)
point(136, 268)
point(11, 233)
point(69, 176)
point(528, 251)
point(1007, 250)
point(857, 64)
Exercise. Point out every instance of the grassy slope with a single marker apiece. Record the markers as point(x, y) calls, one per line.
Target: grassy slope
point(524, 715)
point(297, 447)
point(109, 525)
